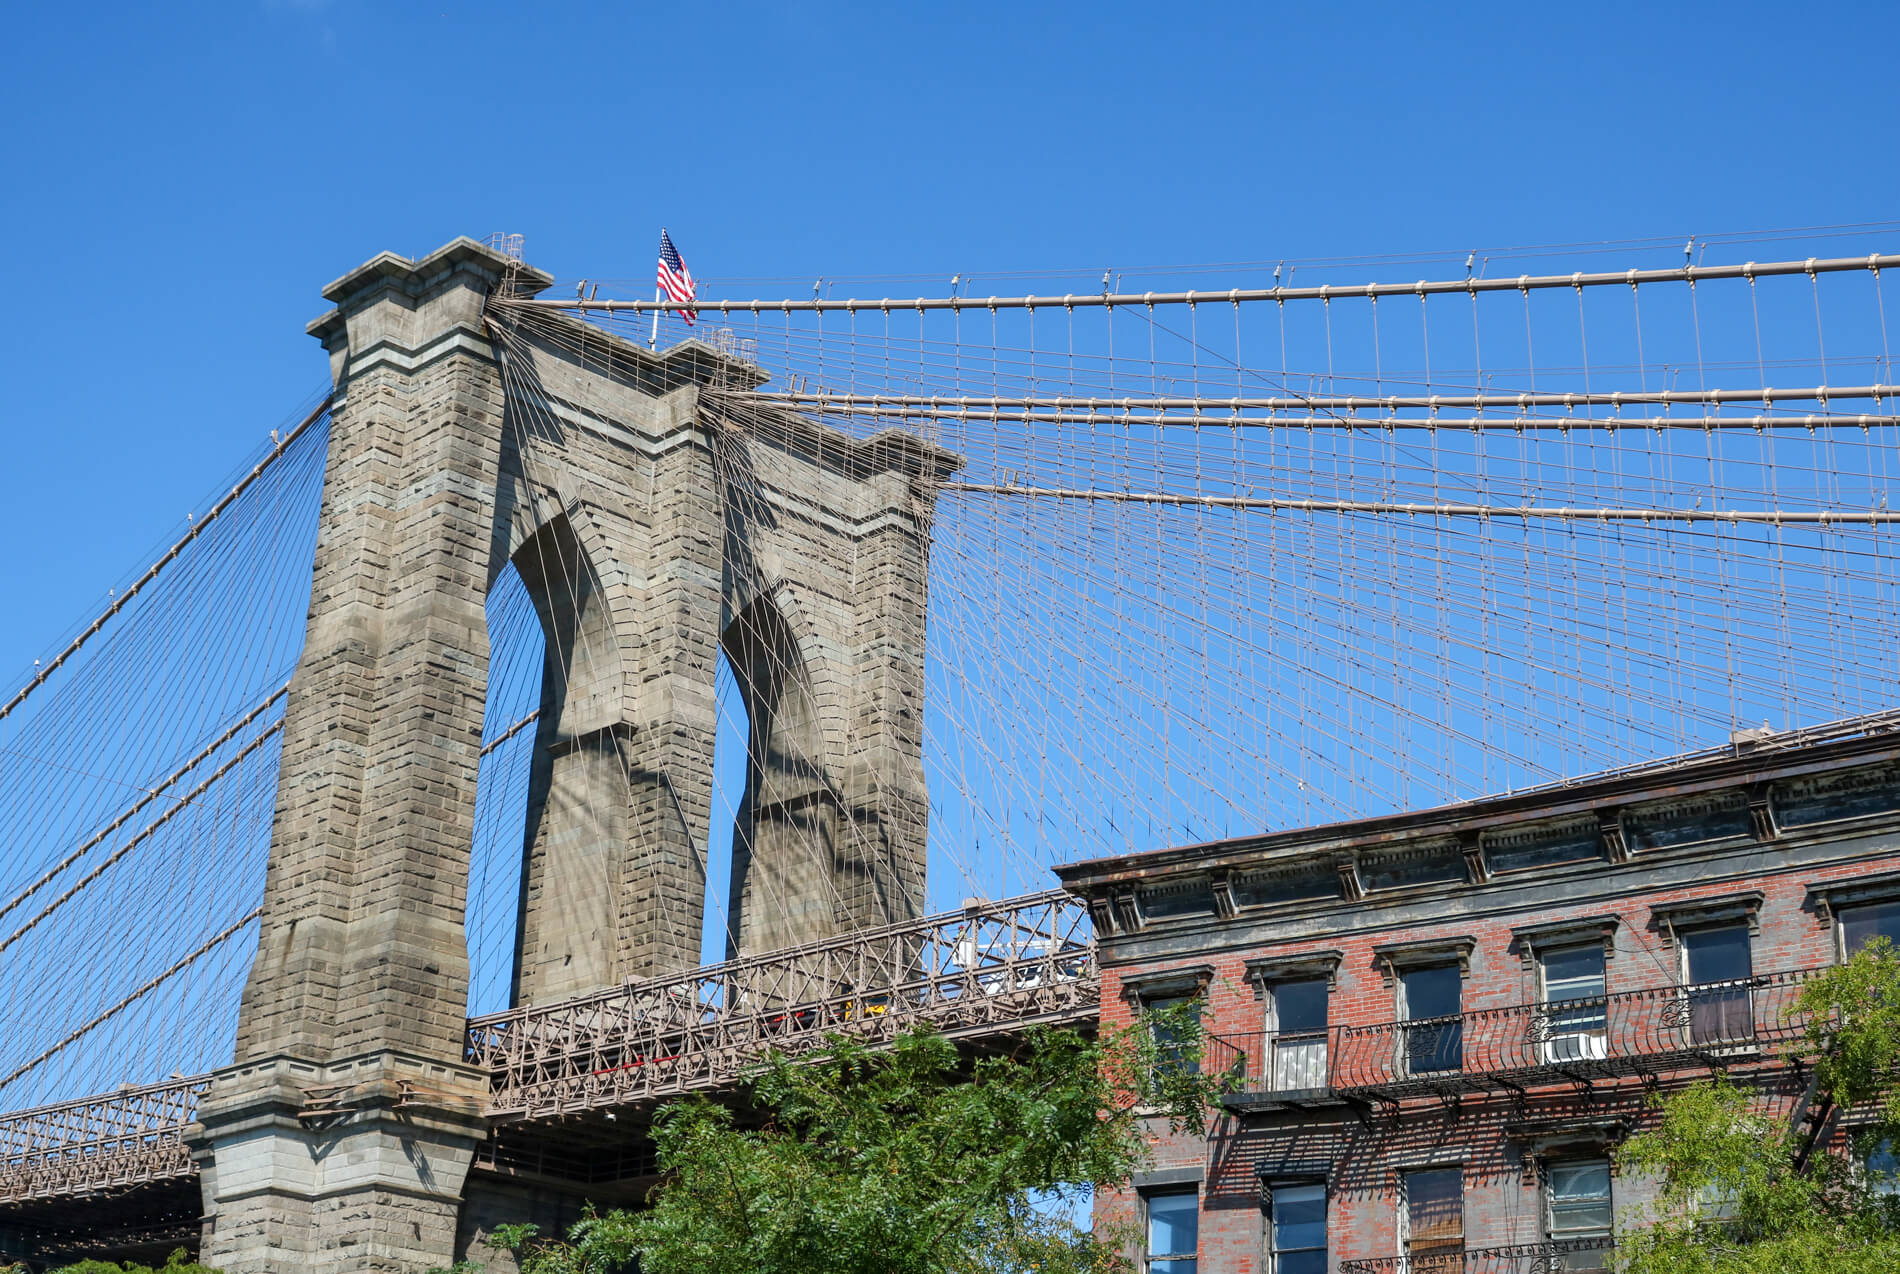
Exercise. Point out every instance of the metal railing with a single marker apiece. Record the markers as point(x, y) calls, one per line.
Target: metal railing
point(1270, 1064)
point(1554, 1256)
point(1626, 1033)
point(990, 968)
point(128, 1137)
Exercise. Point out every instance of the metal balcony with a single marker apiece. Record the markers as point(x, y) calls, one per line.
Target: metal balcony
point(1554, 1256)
point(1267, 1071)
point(1603, 1037)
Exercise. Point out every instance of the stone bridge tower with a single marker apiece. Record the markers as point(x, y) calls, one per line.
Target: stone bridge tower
point(653, 525)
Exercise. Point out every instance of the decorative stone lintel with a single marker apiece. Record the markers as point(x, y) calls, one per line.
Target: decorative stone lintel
point(1264, 971)
point(1181, 1175)
point(1540, 1141)
point(1761, 814)
point(1829, 896)
point(1165, 984)
point(1275, 1177)
point(1693, 913)
point(1531, 939)
point(1471, 847)
point(1398, 956)
point(1616, 846)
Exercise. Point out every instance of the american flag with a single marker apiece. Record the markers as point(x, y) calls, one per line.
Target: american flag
point(675, 279)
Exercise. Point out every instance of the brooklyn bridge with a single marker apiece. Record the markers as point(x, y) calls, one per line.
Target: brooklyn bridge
point(580, 697)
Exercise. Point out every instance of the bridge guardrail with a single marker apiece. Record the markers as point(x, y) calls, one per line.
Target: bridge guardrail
point(128, 1137)
point(994, 966)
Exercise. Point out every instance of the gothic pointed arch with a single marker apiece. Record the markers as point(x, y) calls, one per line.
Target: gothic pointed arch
point(788, 829)
point(568, 935)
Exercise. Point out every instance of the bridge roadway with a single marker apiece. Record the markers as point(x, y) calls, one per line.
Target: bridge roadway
point(991, 969)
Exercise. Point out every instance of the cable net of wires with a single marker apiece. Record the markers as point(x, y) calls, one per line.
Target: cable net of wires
point(138, 771)
point(1204, 570)
point(1210, 569)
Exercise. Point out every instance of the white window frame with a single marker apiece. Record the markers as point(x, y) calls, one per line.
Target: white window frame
point(1841, 953)
point(1274, 1033)
point(1403, 1010)
point(1148, 1255)
point(1550, 1198)
point(1589, 1045)
point(1274, 1249)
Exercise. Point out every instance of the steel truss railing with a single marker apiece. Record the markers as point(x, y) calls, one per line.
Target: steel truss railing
point(990, 968)
point(124, 1138)
point(1601, 1037)
point(1554, 1256)
point(987, 969)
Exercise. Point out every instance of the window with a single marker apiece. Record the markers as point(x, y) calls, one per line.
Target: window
point(1578, 1212)
point(1299, 1229)
point(1174, 1232)
point(1717, 968)
point(1860, 925)
point(1717, 1202)
point(1430, 997)
point(1434, 1217)
point(1575, 1019)
point(1171, 1042)
point(1298, 1032)
point(1883, 1169)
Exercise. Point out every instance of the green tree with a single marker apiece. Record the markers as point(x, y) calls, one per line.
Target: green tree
point(908, 1160)
point(1743, 1190)
point(177, 1263)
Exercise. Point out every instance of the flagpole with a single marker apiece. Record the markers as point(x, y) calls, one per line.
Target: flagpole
point(653, 341)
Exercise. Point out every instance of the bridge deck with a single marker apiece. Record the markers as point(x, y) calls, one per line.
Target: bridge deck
point(991, 969)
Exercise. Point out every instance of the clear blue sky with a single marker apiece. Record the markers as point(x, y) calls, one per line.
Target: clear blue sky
point(182, 179)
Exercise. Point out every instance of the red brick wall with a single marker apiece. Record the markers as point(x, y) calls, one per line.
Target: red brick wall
point(1363, 1157)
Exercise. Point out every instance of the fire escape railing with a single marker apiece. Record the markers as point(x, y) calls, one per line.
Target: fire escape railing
point(127, 1137)
point(1601, 1037)
point(995, 967)
point(1554, 1256)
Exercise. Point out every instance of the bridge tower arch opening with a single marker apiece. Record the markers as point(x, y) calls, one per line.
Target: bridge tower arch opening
point(510, 714)
point(790, 836)
point(577, 893)
point(732, 748)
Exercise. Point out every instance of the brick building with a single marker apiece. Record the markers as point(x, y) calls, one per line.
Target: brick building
point(1441, 1024)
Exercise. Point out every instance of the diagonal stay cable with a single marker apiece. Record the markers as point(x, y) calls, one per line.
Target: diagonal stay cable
point(79, 1032)
point(120, 602)
point(145, 833)
point(151, 794)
